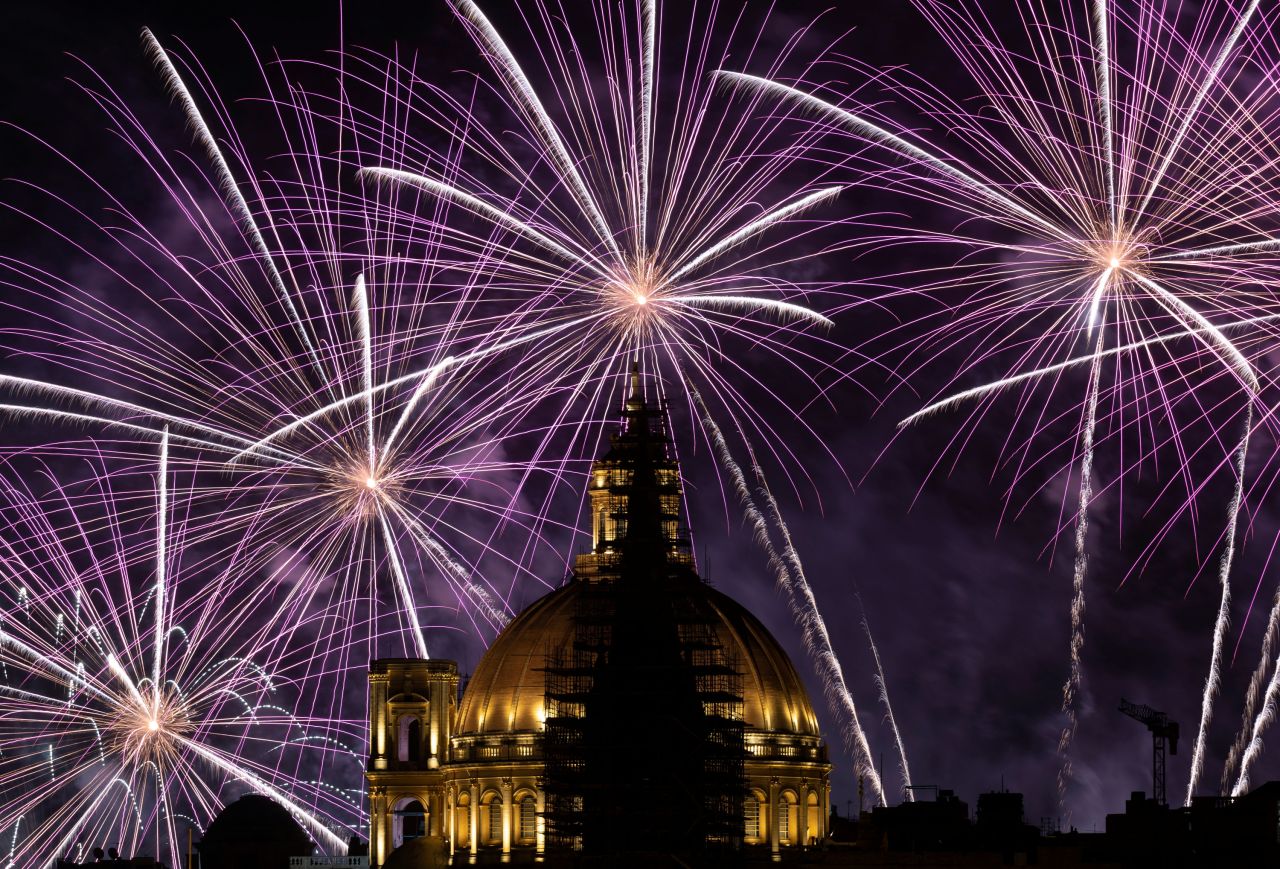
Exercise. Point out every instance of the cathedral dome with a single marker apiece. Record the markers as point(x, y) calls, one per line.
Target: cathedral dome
point(634, 710)
point(634, 497)
point(506, 692)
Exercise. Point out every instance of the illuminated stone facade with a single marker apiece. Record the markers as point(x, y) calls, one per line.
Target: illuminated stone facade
point(474, 772)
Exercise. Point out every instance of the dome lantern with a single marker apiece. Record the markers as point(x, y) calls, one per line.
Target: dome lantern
point(635, 494)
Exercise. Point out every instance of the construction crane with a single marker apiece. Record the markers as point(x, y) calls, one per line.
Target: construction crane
point(1162, 730)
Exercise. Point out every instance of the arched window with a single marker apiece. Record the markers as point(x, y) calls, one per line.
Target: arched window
point(409, 739)
point(528, 819)
point(813, 819)
point(788, 819)
point(462, 820)
point(755, 815)
point(490, 818)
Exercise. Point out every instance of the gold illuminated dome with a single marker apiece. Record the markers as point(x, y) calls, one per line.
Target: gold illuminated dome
point(507, 690)
point(635, 496)
point(636, 709)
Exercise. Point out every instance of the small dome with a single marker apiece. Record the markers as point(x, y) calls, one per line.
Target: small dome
point(255, 817)
point(506, 692)
point(254, 831)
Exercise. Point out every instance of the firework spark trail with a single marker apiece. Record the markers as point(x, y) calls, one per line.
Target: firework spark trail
point(385, 175)
point(59, 393)
point(1218, 250)
point(1080, 565)
point(636, 234)
point(1102, 43)
point(815, 626)
point(282, 406)
point(817, 642)
point(1257, 684)
point(162, 534)
point(1266, 717)
point(1206, 332)
point(1222, 622)
point(1190, 114)
point(317, 829)
point(750, 231)
point(428, 382)
point(1071, 688)
point(71, 690)
point(1155, 188)
point(1099, 295)
point(493, 611)
point(958, 398)
point(228, 183)
point(649, 13)
point(876, 133)
point(402, 586)
point(883, 684)
point(510, 68)
point(360, 302)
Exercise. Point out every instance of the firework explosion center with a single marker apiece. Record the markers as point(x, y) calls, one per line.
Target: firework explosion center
point(635, 709)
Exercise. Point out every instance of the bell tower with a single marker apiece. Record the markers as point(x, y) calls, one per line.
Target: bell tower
point(412, 708)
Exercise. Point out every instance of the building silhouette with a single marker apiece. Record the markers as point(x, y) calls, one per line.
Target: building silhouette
point(1212, 833)
point(634, 715)
point(1224, 832)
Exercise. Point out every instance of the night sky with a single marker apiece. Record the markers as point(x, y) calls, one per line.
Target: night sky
point(963, 572)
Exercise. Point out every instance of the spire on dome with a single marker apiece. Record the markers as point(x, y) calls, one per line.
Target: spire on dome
point(634, 410)
point(637, 393)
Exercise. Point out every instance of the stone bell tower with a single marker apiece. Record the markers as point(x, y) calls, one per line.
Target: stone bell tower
point(412, 707)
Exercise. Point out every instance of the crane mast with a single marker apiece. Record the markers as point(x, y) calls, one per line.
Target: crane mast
point(1163, 731)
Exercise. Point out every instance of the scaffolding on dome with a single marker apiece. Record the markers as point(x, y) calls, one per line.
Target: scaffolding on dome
point(646, 670)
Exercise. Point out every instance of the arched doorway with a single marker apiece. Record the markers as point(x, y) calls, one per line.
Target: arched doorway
point(409, 821)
